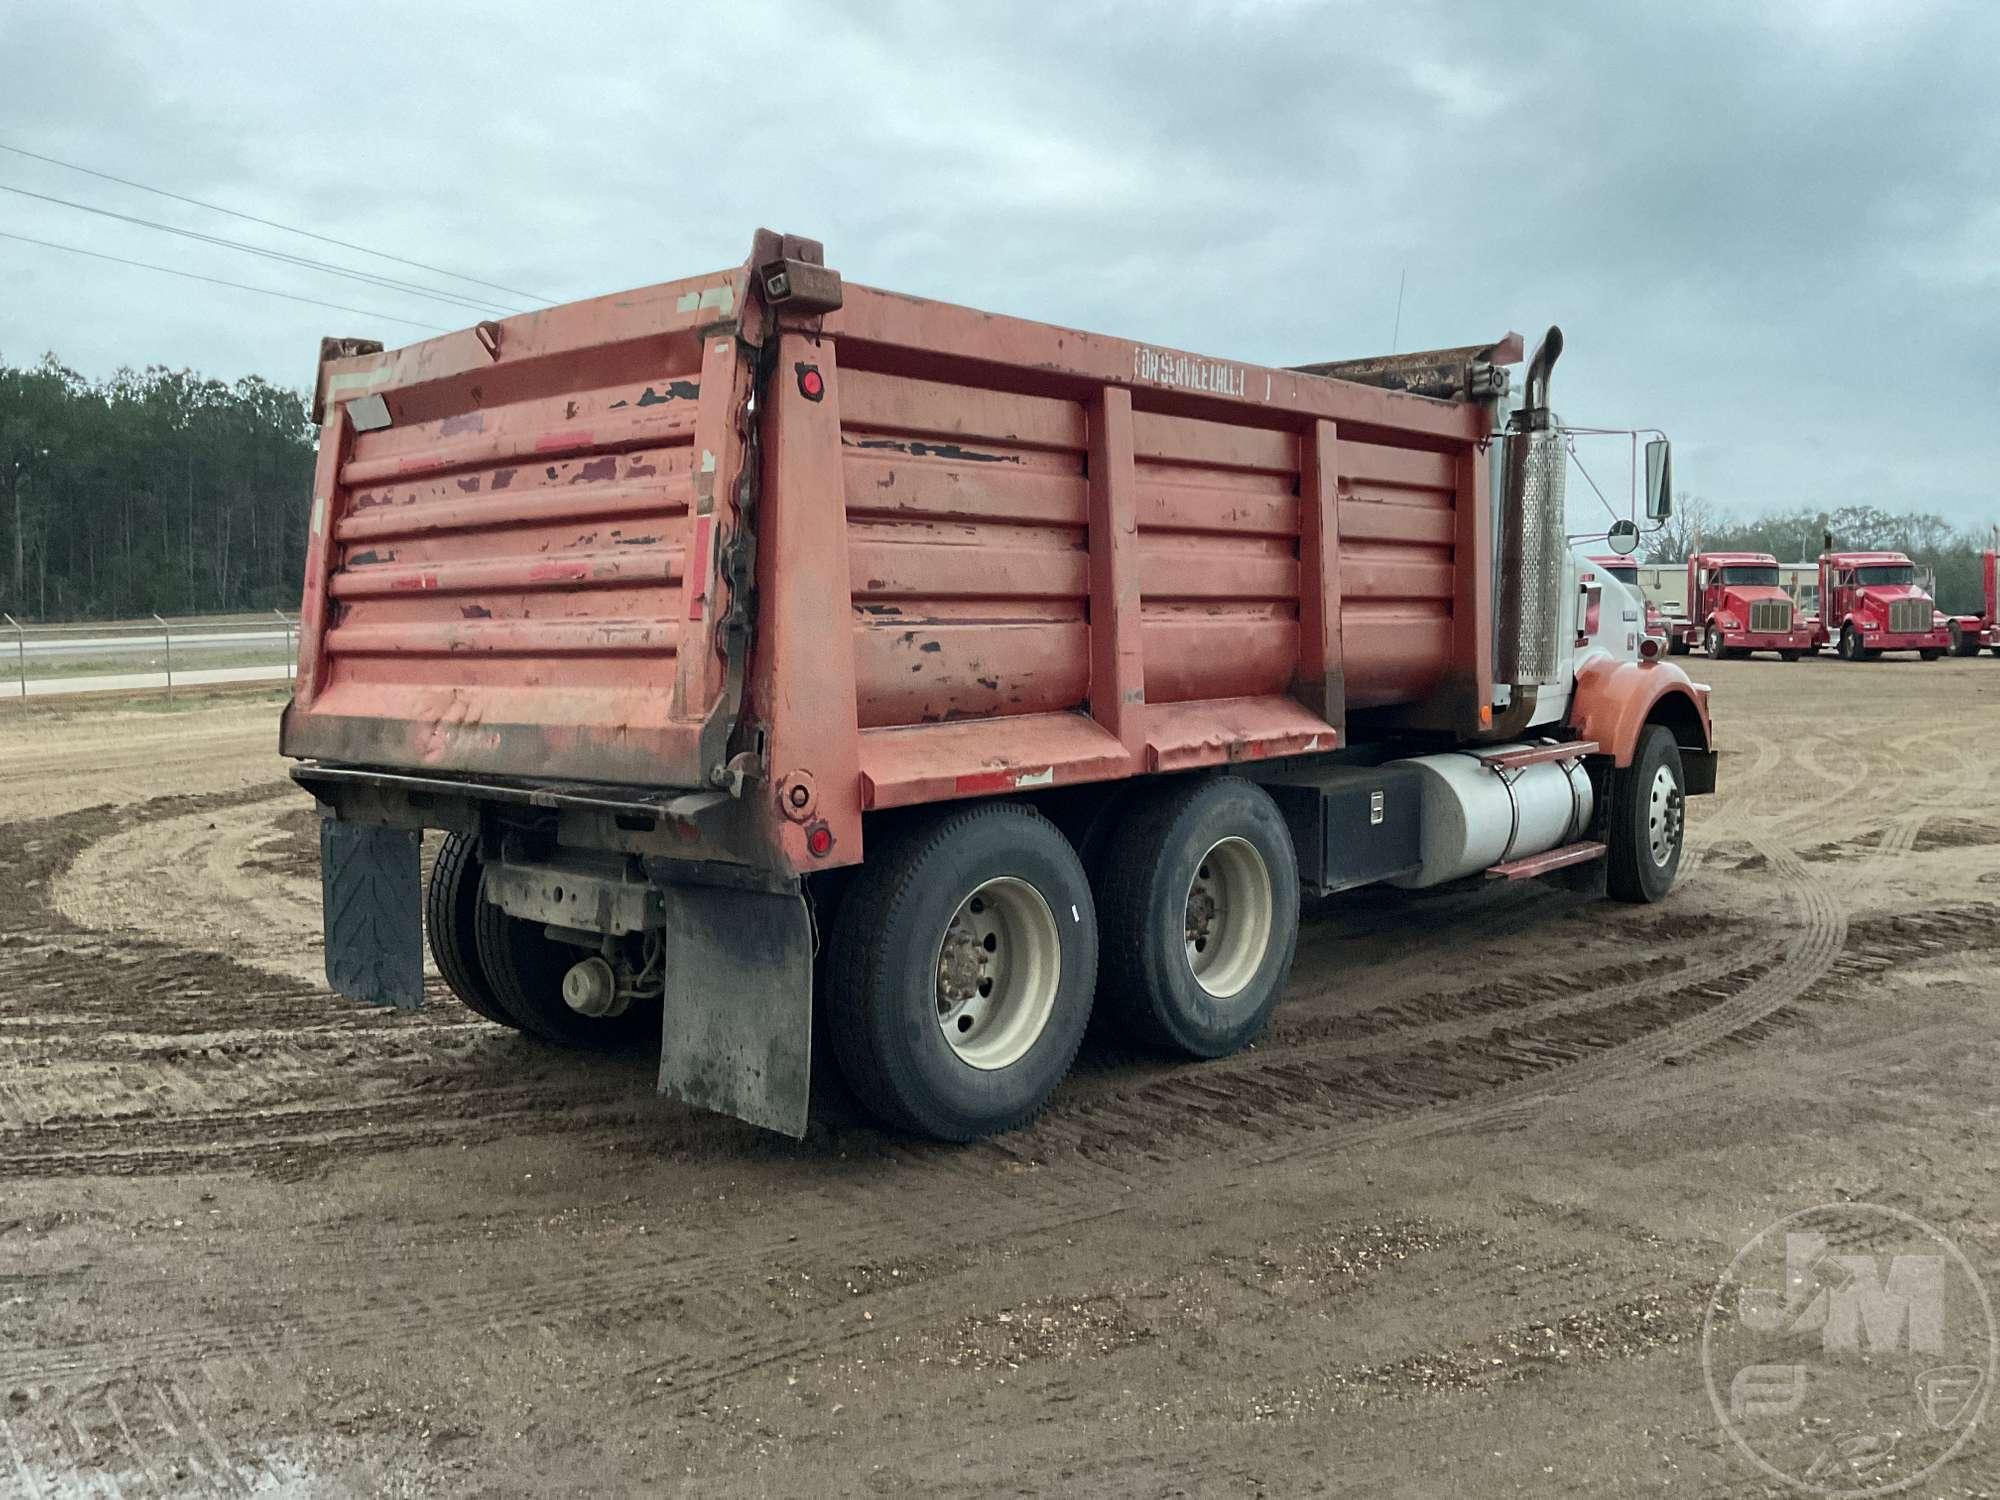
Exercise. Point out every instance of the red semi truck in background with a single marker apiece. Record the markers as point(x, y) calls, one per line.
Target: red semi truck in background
point(1969, 632)
point(1735, 605)
point(1870, 602)
point(771, 650)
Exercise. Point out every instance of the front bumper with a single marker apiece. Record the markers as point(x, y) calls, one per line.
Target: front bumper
point(1907, 640)
point(1768, 640)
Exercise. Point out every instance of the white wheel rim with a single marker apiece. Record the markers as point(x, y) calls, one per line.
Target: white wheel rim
point(1663, 816)
point(999, 965)
point(1230, 914)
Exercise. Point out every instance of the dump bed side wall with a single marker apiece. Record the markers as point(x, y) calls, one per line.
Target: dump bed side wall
point(1072, 558)
point(968, 541)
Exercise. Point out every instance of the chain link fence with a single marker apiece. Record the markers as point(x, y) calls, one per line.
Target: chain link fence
point(159, 655)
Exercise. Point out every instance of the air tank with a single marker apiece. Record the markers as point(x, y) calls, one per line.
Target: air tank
point(1477, 815)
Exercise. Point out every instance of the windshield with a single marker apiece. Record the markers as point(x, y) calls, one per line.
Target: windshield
point(1751, 573)
point(1886, 573)
point(1623, 572)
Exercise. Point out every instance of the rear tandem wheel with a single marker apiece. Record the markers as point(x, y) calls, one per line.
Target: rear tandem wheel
point(960, 972)
point(1198, 900)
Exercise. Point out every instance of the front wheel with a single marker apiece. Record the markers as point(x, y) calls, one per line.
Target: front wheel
point(1712, 644)
point(961, 972)
point(1199, 897)
point(1790, 655)
point(1648, 819)
point(1929, 655)
point(1850, 643)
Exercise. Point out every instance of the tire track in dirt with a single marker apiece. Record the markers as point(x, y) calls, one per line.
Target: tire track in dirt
point(193, 881)
point(1086, 1165)
point(1806, 958)
point(58, 762)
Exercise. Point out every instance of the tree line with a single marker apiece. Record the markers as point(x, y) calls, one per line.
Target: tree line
point(155, 491)
point(1801, 533)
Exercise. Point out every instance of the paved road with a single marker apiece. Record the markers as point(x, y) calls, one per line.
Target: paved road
point(111, 645)
point(135, 682)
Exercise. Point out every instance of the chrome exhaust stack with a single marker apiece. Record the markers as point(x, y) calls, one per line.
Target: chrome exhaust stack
point(1532, 530)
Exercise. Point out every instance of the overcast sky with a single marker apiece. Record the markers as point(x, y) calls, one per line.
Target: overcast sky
point(1771, 229)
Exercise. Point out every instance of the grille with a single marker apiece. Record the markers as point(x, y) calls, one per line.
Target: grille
point(1909, 616)
point(1771, 615)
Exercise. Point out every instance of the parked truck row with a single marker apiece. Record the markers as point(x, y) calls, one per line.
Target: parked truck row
point(1868, 603)
point(775, 655)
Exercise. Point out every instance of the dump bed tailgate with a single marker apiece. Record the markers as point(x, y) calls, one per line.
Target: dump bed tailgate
point(509, 562)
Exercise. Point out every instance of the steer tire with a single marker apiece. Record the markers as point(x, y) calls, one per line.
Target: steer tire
point(910, 1001)
point(1850, 644)
point(1633, 872)
point(1929, 655)
point(1196, 842)
point(450, 904)
point(526, 968)
point(1790, 655)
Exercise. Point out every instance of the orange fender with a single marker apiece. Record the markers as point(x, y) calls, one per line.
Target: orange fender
point(1614, 700)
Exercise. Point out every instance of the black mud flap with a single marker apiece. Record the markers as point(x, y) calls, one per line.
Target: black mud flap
point(1697, 771)
point(736, 1036)
point(373, 912)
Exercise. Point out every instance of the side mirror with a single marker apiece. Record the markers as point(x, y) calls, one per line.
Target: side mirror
point(1659, 480)
point(1623, 538)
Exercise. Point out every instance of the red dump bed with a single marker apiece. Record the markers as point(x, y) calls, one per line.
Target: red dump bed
point(989, 552)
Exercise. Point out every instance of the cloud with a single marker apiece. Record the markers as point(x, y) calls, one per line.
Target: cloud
point(1766, 229)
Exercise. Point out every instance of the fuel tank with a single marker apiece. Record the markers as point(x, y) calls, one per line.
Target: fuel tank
point(1477, 815)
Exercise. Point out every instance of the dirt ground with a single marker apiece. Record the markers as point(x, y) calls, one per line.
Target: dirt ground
point(1449, 1229)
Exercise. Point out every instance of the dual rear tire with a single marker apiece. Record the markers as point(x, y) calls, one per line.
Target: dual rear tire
point(964, 962)
point(509, 971)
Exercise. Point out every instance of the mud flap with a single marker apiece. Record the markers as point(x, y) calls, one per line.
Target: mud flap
point(736, 1036)
point(371, 897)
point(1697, 771)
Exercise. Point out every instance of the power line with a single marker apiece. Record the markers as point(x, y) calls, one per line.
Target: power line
point(271, 223)
point(367, 278)
point(218, 281)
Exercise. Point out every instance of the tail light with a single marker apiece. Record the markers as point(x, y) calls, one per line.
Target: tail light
point(1649, 647)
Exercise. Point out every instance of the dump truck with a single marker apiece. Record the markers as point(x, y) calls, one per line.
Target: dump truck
point(768, 655)
point(1737, 604)
point(1968, 633)
point(1871, 602)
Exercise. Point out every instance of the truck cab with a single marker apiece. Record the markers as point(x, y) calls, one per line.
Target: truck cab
point(1624, 570)
point(1737, 605)
point(1871, 602)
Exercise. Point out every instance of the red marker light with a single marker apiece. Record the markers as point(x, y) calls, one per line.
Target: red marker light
point(812, 384)
point(1649, 648)
point(819, 841)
